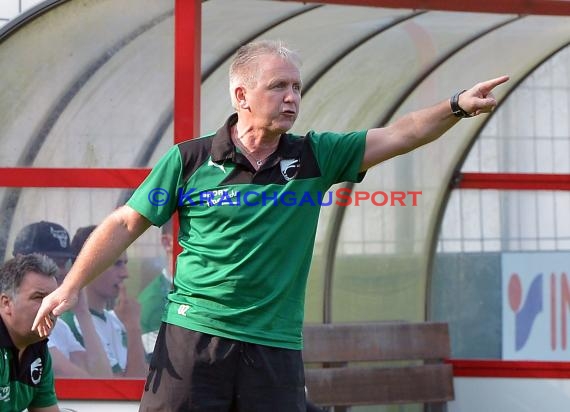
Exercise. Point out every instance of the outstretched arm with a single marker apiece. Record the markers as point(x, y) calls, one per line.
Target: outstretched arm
point(423, 126)
point(101, 250)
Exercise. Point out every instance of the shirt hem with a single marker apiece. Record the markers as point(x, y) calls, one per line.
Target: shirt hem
point(229, 335)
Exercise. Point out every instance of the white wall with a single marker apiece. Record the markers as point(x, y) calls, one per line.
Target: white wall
point(98, 406)
point(510, 395)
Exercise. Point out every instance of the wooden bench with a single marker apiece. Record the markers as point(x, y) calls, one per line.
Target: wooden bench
point(343, 369)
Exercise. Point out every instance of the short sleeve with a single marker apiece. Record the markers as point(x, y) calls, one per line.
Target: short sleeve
point(339, 155)
point(156, 197)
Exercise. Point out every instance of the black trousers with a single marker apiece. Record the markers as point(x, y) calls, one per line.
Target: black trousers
point(193, 371)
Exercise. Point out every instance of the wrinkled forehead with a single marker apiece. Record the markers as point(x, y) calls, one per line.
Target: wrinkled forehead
point(276, 60)
point(254, 67)
point(275, 66)
point(34, 283)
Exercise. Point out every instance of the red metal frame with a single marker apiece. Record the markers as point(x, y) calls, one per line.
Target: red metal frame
point(131, 390)
point(186, 125)
point(187, 73)
point(510, 369)
point(71, 177)
point(187, 56)
point(547, 7)
point(99, 389)
point(514, 181)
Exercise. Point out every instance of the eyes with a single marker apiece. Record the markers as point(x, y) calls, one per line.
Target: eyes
point(285, 85)
point(38, 296)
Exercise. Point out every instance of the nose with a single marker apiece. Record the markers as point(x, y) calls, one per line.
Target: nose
point(124, 273)
point(121, 269)
point(293, 95)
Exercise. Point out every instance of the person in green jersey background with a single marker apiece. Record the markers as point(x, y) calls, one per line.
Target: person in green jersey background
point(26, 375)
point(231, 336)
point(153, 297)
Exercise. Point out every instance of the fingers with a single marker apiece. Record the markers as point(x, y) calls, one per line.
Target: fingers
point(121, 298)
point(51, 307)
point(44, 325)
point(122, 293)
point(42, 319)
point(489, 85)
point(480, 98)
point(487, 104)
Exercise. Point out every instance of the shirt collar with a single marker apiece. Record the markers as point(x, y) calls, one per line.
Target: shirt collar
point(5, 339)
point(222, 145)
point(224, 149)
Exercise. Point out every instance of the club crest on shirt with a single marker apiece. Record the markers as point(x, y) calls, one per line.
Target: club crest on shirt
point(4, 393)
point(182, 309)
point(36, 370)
point(290, 168)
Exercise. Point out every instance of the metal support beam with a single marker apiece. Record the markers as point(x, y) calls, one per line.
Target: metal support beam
point(187, 64)
point(187, 73)
point(547, 7)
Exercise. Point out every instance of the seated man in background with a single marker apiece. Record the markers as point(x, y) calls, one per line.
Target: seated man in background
point(70, 358)
point(26, 375)
point(153, 297)
point(116, 316)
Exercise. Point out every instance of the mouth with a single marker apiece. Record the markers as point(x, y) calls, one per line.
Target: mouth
point(289, 113)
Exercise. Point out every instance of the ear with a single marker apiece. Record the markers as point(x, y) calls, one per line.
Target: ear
point(240, 95)
point(5, 304)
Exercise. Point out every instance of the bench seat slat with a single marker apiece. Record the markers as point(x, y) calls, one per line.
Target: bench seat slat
point(377, 385)
point(348, 342)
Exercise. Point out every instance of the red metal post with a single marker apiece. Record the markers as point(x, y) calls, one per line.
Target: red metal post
point(187, 64)
point(187, 74)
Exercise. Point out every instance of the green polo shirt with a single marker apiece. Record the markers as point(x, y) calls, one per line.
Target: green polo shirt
point(247, 236)
point(26, 382)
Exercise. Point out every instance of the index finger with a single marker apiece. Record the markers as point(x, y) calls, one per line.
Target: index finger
point(491, 84)
point(43, 315)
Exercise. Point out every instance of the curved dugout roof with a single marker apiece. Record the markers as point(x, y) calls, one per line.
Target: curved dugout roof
point(90, 84)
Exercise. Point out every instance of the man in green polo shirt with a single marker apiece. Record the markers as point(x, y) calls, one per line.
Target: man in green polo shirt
point(26, 376)
point(248, 199)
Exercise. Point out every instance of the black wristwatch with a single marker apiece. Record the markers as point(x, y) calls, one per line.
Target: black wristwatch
point(455, 108)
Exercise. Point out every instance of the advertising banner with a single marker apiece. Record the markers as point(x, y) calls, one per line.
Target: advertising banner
point(536, 306)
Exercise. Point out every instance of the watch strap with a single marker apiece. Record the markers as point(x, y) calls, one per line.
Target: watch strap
point(455, 108)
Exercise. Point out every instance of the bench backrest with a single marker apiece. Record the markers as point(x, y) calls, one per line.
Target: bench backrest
point(339, 380)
